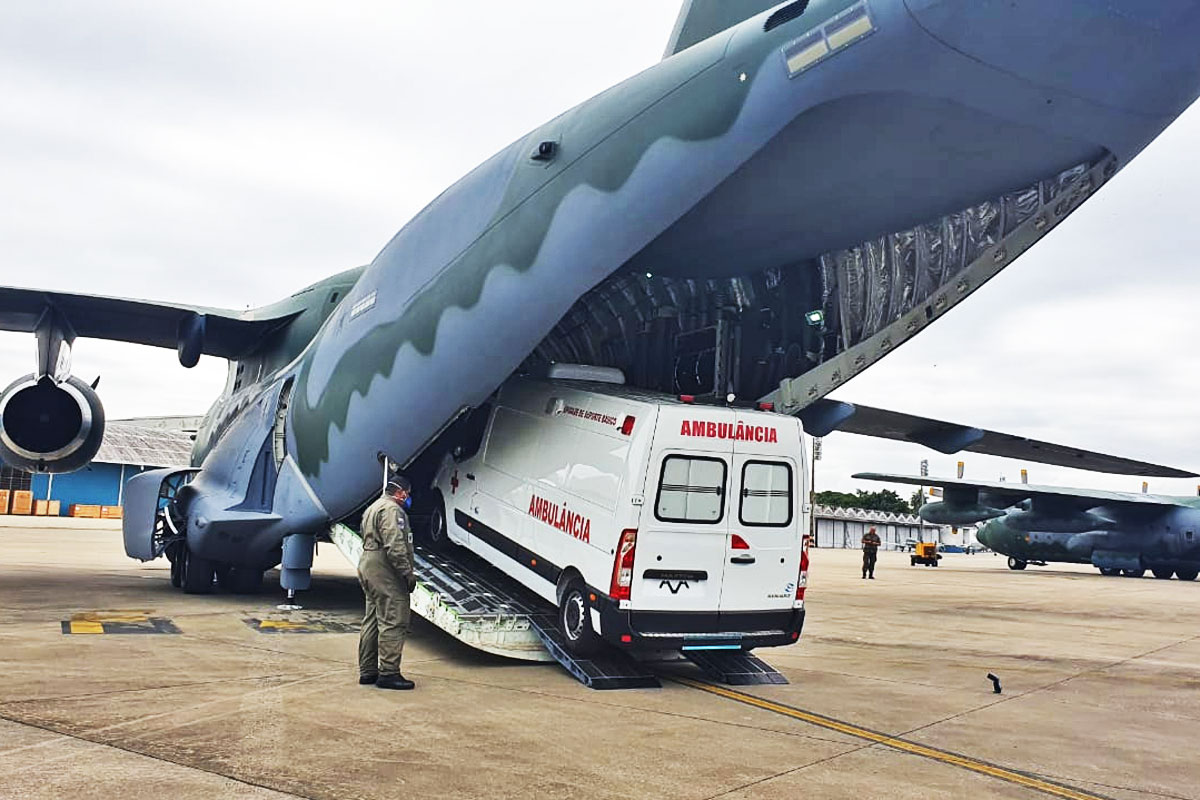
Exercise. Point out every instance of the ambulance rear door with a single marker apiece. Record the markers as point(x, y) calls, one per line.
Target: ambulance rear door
point(762, 560)
point(682, 539)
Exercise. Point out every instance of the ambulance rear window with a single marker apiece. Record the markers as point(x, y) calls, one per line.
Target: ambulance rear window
point(766, 494)
point(691, 489)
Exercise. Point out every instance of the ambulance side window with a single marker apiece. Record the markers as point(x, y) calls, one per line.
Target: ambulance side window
point(691, 489)
point(766, 494)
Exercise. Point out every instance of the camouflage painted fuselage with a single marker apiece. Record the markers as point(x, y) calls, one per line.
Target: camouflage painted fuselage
point(1136, 540)
point(721, 160)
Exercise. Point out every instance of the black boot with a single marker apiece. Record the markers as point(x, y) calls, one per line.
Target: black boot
point(394, 682)
point(366, 680)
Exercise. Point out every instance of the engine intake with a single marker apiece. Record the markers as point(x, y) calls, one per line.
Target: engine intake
point(50, 427)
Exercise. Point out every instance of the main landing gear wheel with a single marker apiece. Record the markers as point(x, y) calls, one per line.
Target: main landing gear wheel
point(175, 555)
point(1187, 574)
point(1016, 563)
point(1109, 571)
point(1162, 573)
point(575, 620)
point(1133, 573)
point(240, 580)
point(198, 574)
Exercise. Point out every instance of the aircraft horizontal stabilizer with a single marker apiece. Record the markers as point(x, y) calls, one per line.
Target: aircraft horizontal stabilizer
point(193, 330)
point(828, 415)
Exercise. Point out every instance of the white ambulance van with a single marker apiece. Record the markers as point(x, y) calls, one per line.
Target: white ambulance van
point(650, 522)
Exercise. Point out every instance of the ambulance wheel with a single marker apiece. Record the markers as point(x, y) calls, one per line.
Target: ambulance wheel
point(437, 535)
point(1162, 573)
point(1015, 563)
point(575, 620)
point(1187, 574)
point(198, 574)
point(1133, 573)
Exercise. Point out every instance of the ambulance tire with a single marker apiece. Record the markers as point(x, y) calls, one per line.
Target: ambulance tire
point(436, 535)
point(575, 619)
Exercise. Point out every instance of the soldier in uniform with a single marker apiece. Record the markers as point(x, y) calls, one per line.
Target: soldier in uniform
point(870, 548)
point(386, 574)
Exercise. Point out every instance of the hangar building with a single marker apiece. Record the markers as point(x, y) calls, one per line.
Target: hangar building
point(130, 446)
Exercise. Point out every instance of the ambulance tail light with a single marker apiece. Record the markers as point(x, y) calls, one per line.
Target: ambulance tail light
point(802, 580)
point(627, 425)
point(766, 406)
point(622, 577)
point(687, 398)
point(739, 543)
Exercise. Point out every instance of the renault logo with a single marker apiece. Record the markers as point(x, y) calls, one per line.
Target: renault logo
point(674, 587)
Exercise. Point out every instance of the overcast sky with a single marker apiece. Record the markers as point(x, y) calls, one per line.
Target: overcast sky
point(228, 153)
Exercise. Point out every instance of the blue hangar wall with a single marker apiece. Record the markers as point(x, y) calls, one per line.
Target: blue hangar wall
point(95, 484)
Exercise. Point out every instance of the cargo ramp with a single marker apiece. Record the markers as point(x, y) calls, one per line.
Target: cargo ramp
point(482, 607)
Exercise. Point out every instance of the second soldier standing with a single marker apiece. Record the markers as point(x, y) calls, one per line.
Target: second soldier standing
point(386, 574)
point(870, 550)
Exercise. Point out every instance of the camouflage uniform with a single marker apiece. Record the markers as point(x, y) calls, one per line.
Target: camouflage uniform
point(870, 547)
point(385, 571)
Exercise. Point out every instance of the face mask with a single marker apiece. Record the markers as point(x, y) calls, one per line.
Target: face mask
point(408, 502)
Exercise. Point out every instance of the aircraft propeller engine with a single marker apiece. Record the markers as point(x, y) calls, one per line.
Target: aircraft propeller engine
point(50, 427)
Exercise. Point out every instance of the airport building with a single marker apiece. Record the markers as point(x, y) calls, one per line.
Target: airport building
point(844, 527)
point(130, 446)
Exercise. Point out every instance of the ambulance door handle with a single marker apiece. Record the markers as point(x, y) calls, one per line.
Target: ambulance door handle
point(742, 560)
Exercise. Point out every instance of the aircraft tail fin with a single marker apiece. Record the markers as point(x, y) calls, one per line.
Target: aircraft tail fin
point(700, 19)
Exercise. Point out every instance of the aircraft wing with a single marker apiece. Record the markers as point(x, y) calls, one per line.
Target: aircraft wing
point(224, 333)
point(1014, 493)
point(828, 415)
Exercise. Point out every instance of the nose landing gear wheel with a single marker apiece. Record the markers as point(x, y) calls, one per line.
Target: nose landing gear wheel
point(1016, 563)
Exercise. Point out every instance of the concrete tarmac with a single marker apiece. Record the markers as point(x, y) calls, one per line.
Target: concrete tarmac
point(1101, 682)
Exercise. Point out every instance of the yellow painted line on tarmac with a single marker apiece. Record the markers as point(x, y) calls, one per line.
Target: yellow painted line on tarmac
point(904, 745)
point(85, 626)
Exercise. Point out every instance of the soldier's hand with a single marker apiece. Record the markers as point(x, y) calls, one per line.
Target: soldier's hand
point(412, 583)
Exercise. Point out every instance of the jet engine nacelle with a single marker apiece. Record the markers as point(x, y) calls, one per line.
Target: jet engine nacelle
point(49, 427)
point(958, 514)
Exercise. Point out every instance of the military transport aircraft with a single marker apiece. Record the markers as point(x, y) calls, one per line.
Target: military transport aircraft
point(795, 190)
point(1122, 533)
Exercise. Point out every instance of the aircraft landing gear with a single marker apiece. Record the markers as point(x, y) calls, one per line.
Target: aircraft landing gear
point(1016, 563)
point(1133, 573)
point(1162, 573)
point(1188, 574)
point(1109, 571)
point(198, 573)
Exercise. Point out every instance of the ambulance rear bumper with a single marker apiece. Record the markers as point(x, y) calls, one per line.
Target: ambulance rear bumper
point(690, 630)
